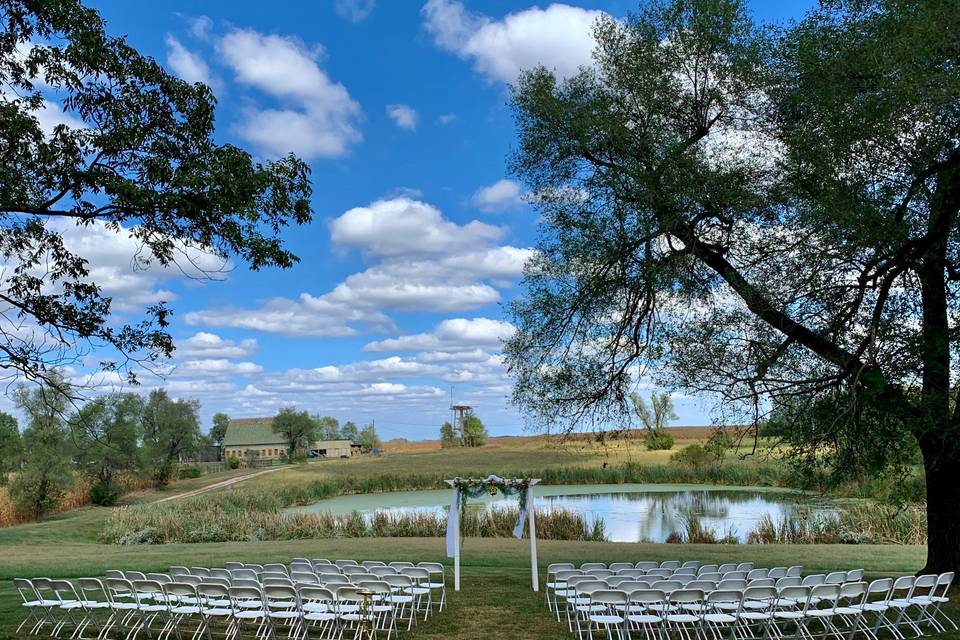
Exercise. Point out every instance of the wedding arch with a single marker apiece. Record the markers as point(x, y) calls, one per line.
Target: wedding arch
point(466, 488)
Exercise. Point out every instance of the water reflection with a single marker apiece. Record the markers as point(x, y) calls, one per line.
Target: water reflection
point(629, 515)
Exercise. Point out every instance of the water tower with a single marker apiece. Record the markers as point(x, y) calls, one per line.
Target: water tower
point(459, 413)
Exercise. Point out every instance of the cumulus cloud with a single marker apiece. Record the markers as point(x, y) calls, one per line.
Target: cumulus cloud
point(210, 345)
point(355, 11)
point(450, 335)
point(219, 367)
point(446, 119)
point(404, 116)
point(318, 118)
point(403, 226)
point(558, 37)
point(423, 262)
point(186, 64)
point(501, 195)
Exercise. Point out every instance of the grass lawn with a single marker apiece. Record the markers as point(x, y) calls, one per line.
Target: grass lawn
point(495, 602)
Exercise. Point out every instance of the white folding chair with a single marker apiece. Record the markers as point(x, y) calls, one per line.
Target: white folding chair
point(317, 611)
point(687, 611)
point(437, 580)
point(645, 612)
point(606, 613)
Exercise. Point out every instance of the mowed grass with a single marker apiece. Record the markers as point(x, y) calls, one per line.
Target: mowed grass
point(496, 601)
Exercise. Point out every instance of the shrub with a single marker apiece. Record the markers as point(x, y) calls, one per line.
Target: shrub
point(658, 440)
point(105, 494)
point(233, 462)
point(695, 456)
point(162, 474)
point(190, 472)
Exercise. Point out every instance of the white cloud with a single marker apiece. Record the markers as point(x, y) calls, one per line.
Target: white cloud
point(450, 335)
point(186, 64)
point(447, 118)
point(402, 226)
point(200, 26)
point(424, 262)
point(309, 316)
point(319, 118)
point(210, 345)
point(558, 37)
point(355, 11)
point(403, 116)
point(501, 195)
point(218, 367)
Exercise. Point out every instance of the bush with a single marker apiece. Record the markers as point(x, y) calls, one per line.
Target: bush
point(695, 456)
point(162, 474)
point(190, 472)
point(233, 462)
point(658, 440)
point(105, 494)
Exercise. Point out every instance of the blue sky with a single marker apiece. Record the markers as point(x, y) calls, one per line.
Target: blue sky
point(418, 238)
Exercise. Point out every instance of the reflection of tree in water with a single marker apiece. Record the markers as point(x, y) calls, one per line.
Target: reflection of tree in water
point(669, 510)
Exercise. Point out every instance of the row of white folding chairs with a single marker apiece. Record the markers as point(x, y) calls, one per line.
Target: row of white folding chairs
point(912, 602)
point(142, 605)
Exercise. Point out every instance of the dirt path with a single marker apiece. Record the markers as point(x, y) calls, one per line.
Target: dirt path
point(218, 485)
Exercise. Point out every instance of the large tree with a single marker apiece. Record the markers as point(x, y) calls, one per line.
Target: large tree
point(135, 153)
point(46, 476)
point(774, 220)
point(105, 433)
point(170, 431)
point(297, 428)
point(11, 446)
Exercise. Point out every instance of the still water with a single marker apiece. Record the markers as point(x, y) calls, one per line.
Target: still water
point(630, 512)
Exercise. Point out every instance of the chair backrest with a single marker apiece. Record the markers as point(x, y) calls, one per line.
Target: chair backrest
point(223, 582)
point(745, 566)
point(600, 573)
point(398, 564)
point(855, 575)
point(25, 589)
point(302, 577)
point(646, 596)
point(203, 572)
point(660, 573)
point(762, 582)
point(275, 567)
point(398, 580)
point(813, 580)
point(670, 564)
point(761, 594)
point(148, 587)
point(114, 573)
point(686, 595)
point(707, 568)
point(777, 572)
point(417, 573)
point(179, 589)
point(853, 592)
point(880, 587)
point(315, 594)
point(666, 585)
point(710, 575)
point(437, 569)
point(608, 597)
point(194, 580)
point(797, 593)
point(346, 563)
point(826, 595)
point(690, 563)
point(278, 596)
point(350, 570)
point(333, 579)
point(685, 571)
point(944, 580)
point(134, 575)
point(210, 591)
point(248, 574)
point(245, 598)
point(115, 587)
point(372, 563)
point(727, 567)
point(788, 581)
point(587, 587)
point(232, 565)
point(633, 585)
point(245, 582)
point(835, 577)
point(564, 574)
point(755, 574)
point(703, 585)
point(645, 565)
point(174, 571)
point(64, 591)
point(795, 571)
point(159, 577)
point(588, 566)
point(619, 566)
point(275, 581)
point(902, 587)
point(614, 581)
point(632, 573)
point(735, 584)
point(553, 567)
point(734, 575)
point(728, 596)
point(92, 590)
point(316, 562)
point(329, 570)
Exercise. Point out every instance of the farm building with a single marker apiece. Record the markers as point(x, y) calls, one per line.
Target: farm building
point(255, 435)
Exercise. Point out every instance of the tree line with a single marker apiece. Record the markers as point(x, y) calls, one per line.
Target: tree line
point(103, 440)
point(299, 429)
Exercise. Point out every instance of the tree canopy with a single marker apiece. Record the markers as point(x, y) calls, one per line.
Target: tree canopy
point(297, 429)
point(767, 216)
point(138, 156)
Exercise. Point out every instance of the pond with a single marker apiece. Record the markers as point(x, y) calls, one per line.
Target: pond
point(630, 512)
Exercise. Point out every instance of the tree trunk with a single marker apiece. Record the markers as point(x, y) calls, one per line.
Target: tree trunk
point(941, 462)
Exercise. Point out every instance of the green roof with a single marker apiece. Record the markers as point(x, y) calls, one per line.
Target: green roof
point(250, 431)
point(245, 432)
